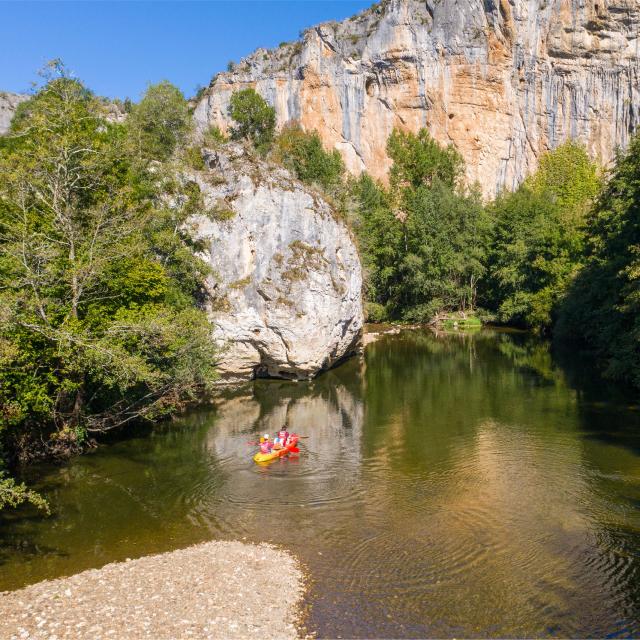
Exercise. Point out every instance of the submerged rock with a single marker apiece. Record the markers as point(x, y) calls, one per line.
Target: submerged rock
point(501, 80)
point(285, 300)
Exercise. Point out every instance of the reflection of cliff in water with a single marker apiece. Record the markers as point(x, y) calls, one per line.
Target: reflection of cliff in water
point(328, 411)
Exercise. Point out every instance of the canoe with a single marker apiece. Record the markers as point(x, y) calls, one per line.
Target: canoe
point(278, 453)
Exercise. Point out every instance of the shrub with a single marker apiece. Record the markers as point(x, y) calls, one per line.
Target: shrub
point(375, 312)
point(214, 137)
point(193, 158)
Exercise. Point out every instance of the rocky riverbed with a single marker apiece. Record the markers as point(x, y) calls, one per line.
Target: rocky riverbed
point(211, 590)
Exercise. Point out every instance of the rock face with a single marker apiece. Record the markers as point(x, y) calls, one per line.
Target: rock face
point(8, 104)
point(503, 80)
point(286, 296)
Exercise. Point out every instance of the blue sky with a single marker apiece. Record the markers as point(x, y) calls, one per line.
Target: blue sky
point(117, 48)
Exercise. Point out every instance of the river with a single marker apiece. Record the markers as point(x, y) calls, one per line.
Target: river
point(449, 485)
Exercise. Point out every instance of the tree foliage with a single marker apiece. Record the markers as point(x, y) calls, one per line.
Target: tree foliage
point(99, 285)
point(302, 152)
point(603, 304)
point(423, 240)
point(255, 119)
point(538, 240)
point(159, 122)
point(419, 161)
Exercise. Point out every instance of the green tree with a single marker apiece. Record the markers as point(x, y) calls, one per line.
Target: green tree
point(159, 122)
point(418, 160)
point(603, 304)
point(99, 325)
point(424, 241)
point(303, 153)
point(539, 238)
point(255, 119)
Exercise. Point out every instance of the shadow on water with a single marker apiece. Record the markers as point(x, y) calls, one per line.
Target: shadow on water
point(449, 485)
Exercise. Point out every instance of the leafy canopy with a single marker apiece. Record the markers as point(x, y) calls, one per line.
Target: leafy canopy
point(424, 240)
point(100, 323)
point(539, 237)
point(603, 304)
point(159, 122)
point(255, 119)
point(418, 160)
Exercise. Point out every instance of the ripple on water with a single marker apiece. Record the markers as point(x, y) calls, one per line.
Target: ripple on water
point(445, 489)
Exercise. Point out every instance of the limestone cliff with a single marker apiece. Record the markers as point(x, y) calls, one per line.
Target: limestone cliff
point(8, 104)
point(503, 80)
point(285, 298)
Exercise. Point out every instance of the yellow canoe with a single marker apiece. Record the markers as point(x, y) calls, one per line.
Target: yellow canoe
point(277, 453)
point(268, 457)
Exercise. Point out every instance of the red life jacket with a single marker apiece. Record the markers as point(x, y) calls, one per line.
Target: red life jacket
point(284, 436)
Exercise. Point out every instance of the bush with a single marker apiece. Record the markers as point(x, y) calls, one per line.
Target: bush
point(193, 158)
point(214, 137)
point(375, 312)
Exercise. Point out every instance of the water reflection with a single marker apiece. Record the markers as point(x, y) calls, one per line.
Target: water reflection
point(450, 485)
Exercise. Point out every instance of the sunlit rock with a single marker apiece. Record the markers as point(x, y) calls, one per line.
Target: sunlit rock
point(8, 104)
point(503, 81)
point(285, 298)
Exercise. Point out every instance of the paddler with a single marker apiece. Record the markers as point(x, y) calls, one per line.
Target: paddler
point(265, 444)
point(284, 436)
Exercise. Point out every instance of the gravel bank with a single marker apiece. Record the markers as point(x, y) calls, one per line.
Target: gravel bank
point(212, 590)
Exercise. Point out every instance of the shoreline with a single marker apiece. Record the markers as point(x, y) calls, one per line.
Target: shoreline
point(210, 590)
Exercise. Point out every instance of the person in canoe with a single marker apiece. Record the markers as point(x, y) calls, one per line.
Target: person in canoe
point(272, 450)
point(265, 444)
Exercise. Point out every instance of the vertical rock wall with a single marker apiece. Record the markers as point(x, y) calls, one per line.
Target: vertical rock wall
point(501, 80)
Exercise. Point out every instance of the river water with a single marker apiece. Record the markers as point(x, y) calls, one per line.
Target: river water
point(449, 485)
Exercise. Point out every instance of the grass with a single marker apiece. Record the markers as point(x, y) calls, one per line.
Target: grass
point(455, 322)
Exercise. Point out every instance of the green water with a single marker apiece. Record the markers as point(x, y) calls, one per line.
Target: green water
point(450, 486)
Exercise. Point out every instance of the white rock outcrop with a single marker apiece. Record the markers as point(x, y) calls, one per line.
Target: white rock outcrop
point(8, 104)
point(285, 300)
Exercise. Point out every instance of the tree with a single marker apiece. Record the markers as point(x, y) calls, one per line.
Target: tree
point(303, 153)
point(602, 307)
point(96, 328)
point(159, 122)
point(255, 119)
point(424, 241)
point(418, 160)
point(539, 238)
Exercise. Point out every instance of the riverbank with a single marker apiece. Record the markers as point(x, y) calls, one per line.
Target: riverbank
point(211, 590)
